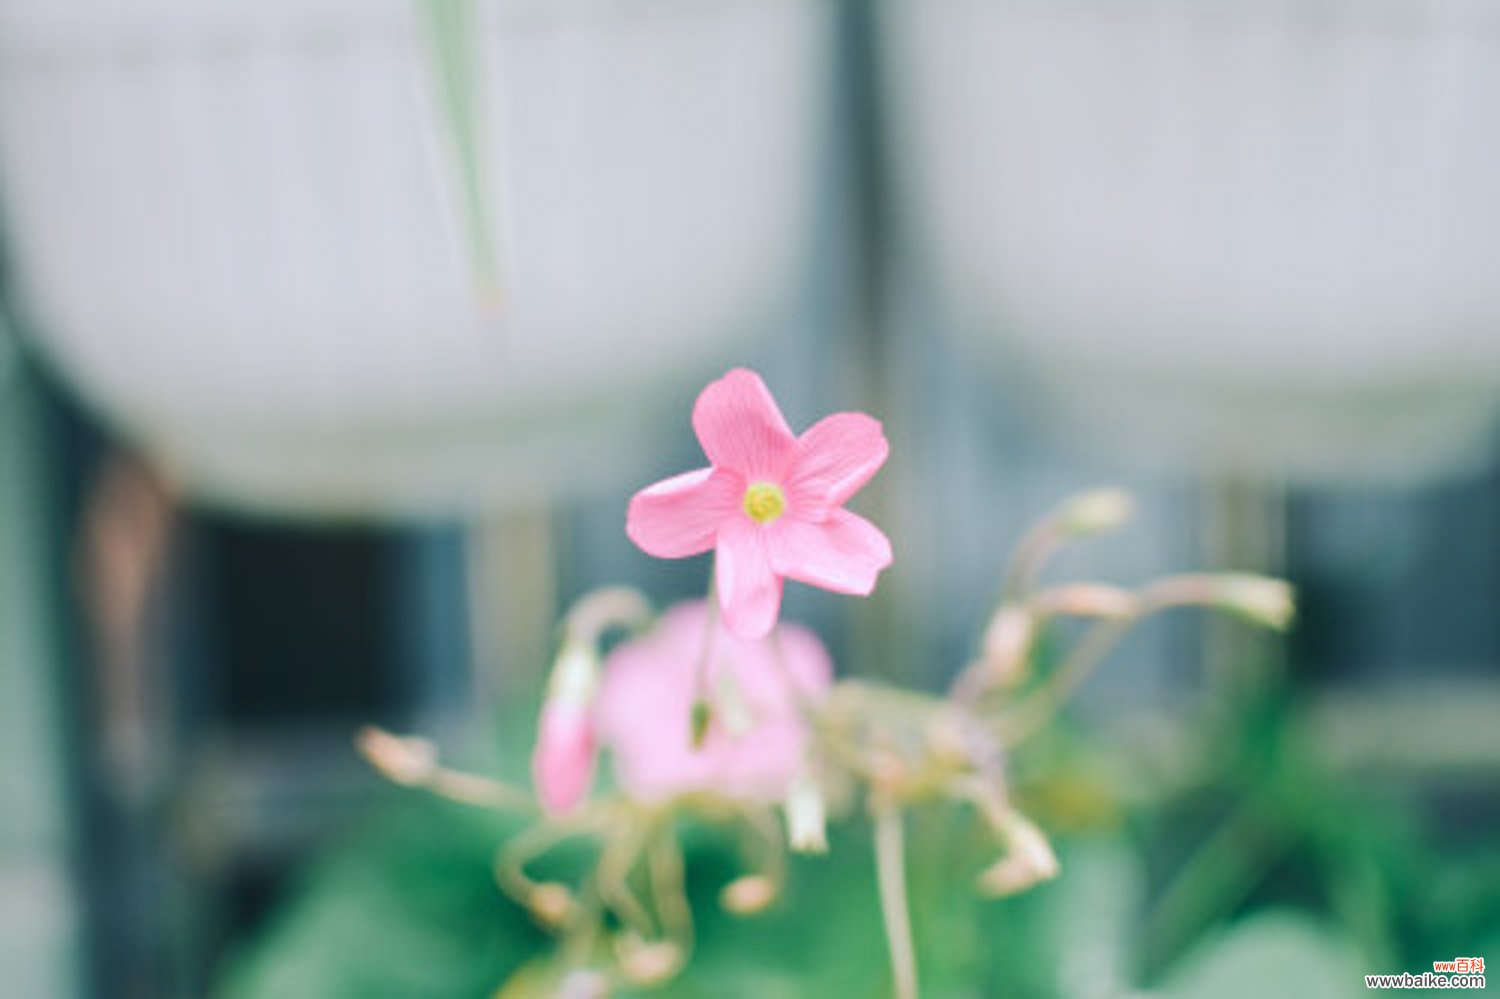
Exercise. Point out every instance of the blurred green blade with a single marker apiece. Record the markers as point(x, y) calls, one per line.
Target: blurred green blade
point(451, 31)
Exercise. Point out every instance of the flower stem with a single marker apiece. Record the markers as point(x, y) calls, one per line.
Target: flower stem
point(890, 870)
point(1187, 590)
point(702, 700)
point(1036, 710)
point(665, 867)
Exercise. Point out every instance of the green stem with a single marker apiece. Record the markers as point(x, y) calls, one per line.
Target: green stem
point(1187, 590)
point(1218, 876)
point(890, 871)
point(703, 697)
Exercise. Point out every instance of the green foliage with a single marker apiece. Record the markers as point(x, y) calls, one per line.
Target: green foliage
point(407, 907)
point(1275, 954)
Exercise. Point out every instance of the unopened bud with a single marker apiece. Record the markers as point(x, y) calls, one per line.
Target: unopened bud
point(1028, 861)
point(583, 983)
point(562, 761)
point(575, 674)
point(647, 963)
point(1095, 512)
point(748, 895)
point(1266, 601)
point(552, 904)
point(806, 816)
point(1007, 645)
point(403, 759)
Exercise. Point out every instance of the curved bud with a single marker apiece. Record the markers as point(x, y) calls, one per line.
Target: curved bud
point(551, 904)
point(647, 963)
point(583, 983)
point(1028, 860)
point(1094, 512)
point(562, 764)
point(403, 759)
point(748, 895)
point(806, 816)
point(1266, 601)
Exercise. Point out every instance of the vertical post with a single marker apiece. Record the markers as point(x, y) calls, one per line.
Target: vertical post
point(1244, 529)
point(40, 947)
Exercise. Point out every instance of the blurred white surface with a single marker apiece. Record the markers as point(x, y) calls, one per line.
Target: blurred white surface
point(237, 232)
point(1257, 236)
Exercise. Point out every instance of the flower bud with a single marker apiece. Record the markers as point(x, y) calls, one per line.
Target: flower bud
point(647, 963)
point(748, 895)
point(1266, 601)
point(1094, 512)
point(551, 904)
point(402, 759)
point(583, 983)
point(575, 674)
point(1028, 861)
point(806, 816)
point(562, 764)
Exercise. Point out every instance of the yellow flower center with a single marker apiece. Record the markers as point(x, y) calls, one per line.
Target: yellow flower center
point(764, 502)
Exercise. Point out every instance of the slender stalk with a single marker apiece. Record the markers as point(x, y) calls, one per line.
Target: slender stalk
point(534, 841)
point(668, 885)
point(1042, 705)
point(612, 876)
point(412, 761)
point(484, 792)
point(703, 697)
point(611, 607)
point(890, 870)
point(1187, 590)
point(765, 847)
point(1036, 546)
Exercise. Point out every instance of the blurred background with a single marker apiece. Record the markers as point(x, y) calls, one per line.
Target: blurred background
point(337, 334)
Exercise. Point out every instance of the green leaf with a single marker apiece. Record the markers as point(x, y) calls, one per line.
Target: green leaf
point(1275, 954)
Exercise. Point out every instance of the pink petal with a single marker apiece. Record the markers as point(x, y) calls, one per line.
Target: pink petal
point(680, 516)
point(844, 553)
point(645, 707)
point(741, 429)
point(835, 457)
point(749, 592)
point(562, 764)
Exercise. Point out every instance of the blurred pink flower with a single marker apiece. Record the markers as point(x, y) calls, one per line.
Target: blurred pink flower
point(756, 739)
point(770, 503)
point(562, 764)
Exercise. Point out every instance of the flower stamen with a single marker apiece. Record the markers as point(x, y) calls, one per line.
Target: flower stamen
point(764, 502)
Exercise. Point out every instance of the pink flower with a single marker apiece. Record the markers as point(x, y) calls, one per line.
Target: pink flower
point(770, 503)
point(562, 764)
point(756, 738)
